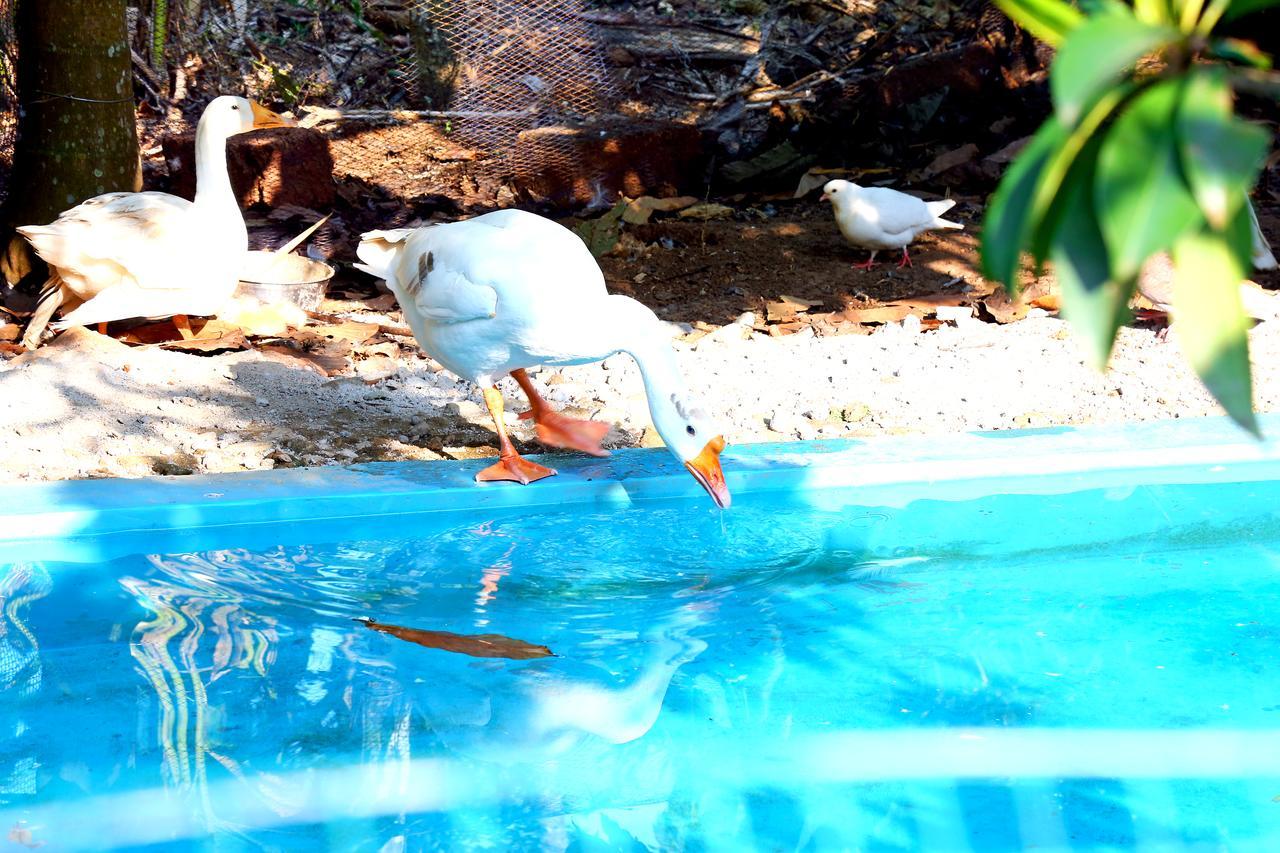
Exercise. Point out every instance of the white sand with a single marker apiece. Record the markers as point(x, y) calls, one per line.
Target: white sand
point(89, 406)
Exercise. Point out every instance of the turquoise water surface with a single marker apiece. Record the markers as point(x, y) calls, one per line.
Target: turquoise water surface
point(1098, 669)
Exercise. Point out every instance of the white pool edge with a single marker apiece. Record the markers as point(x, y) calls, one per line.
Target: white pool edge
point(1138, 451)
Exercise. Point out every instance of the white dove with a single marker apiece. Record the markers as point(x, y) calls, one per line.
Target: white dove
point(878, 218)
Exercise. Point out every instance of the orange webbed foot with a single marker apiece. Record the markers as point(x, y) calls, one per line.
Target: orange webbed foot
point(556, 430)
point(515, 468)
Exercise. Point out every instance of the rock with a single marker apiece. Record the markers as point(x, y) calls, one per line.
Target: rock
point(175, 464)
point(731, 334)
point(376, 369)
point(239, 455)
point(467, 410)
point(961, 315)
point(282, 458)
point(784, 422)
point(855, 412)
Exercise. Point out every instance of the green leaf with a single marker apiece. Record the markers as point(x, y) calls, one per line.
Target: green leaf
point(1017, 221)
point(1151, 11)
point(1241, 51)
point(1221, 154)
point(602, 234)
point(1141, 198)
point(1048, 20)
point(1239, 8)
point(1008, 223)
point(1209, 317)
point(1093, 301)
point(1188, 13)
point(1095, 55)
point(1046, 207)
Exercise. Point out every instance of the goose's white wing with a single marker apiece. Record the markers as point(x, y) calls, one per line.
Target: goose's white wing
point(509, 262)
point(140, 239)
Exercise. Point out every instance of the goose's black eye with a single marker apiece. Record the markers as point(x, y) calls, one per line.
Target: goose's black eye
point(689, 429)
point(235, 106)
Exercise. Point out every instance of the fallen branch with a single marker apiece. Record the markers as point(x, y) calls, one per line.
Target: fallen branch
point(143, 74)
point(399, 331)
point(322, 115)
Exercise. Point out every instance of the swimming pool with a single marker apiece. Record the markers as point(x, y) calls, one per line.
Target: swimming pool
point(1061, 639)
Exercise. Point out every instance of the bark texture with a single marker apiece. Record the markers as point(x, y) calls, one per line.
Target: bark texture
point(77, 136)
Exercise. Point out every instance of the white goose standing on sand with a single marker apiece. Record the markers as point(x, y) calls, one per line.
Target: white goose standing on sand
point(878, 218)
point(509, 290)
point(123, 255)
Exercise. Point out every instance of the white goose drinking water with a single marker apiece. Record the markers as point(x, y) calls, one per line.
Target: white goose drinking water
point(123, 255)
point(509, 290)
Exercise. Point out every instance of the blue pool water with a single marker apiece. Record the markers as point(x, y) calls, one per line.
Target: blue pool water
point(1097, 668)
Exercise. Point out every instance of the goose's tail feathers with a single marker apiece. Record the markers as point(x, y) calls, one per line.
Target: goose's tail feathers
point(378, 250)
point(50, 298)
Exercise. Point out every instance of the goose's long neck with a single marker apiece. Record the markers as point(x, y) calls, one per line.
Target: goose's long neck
point(213, 181)
point(642, 336)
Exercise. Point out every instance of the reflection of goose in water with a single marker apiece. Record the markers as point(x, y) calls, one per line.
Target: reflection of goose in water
point(192, 641)
point(535, 711)
point(20, 669)
point(21, 674)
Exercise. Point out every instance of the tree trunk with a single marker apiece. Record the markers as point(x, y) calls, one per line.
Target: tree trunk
point(77, 136)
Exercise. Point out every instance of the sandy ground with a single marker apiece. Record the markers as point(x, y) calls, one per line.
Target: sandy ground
point(90, 406)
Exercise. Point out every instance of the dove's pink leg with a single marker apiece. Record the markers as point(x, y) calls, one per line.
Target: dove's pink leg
point(557, 430)
point(868, 263)
point(906, 259)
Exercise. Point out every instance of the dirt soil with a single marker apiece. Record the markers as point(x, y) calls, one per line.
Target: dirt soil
point(714, 271)
point(823, 351)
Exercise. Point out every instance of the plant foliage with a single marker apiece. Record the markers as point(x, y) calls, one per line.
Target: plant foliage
point(1143, 154)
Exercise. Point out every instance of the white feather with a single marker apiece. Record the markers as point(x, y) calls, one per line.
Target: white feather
point(881, 218)
point(512, 290)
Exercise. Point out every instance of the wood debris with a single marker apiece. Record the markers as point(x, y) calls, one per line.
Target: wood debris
point(325, 364)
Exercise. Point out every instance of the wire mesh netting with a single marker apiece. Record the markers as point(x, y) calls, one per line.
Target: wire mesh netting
point(505, 68)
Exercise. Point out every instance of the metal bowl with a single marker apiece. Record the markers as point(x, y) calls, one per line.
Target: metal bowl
point(272, 278)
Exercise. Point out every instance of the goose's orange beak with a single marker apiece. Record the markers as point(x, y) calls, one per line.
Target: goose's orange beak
point(705, 468)
point(263, 117)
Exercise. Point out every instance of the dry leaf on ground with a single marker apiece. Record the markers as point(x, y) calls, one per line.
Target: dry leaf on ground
point(323, 363)
point(348, 331)
point(639, 210)
point(881, 314)
point(705, 211)
point(950, 159)
point(385, 302)
point(213, 336)
point(476, 645)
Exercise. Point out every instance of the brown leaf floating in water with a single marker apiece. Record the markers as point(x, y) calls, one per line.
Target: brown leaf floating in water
point(476, 645)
